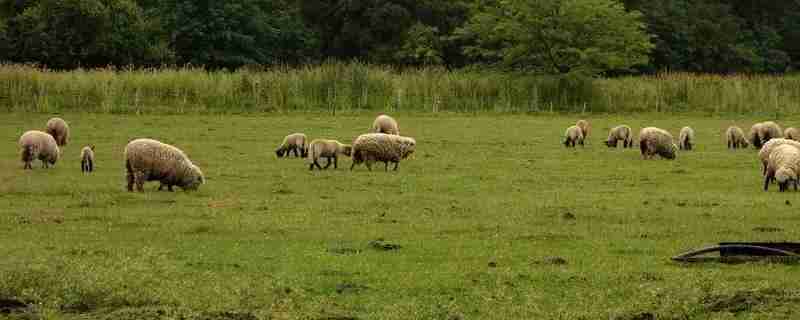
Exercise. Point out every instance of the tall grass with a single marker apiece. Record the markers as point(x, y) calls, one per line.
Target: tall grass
point(354, 87)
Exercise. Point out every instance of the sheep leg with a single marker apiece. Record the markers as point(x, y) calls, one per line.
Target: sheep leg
point(138, 178)
point(386, 166)
point(317, 164)
point(395, 165)
point(328, 164)
point(311, 166)
point(169, 188)
point(335, 162)
point(353, 165)
point(369, 165)
point(766, 183)
point(91, 166)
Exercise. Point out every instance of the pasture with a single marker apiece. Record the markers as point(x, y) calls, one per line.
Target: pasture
point(492, 219)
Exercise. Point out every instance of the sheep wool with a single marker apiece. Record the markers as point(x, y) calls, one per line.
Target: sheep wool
point(378, 147)
point(620, 132)
point(59, 129)
point(294, 143)
point(585, 127)
point(686, 138)
point(736, 138)
point(792, 133)
point(87, 158)
point(783, 166)
point(655, 141)
point(767, 149)
point(39, 145)
point(762, 132)
point(385, 124)
point(329, 149)
point(573, 135)
point(152, 160)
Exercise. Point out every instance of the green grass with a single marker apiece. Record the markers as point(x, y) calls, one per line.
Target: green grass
point(481, 215)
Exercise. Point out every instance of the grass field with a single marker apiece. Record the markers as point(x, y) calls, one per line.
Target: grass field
point(493, 217)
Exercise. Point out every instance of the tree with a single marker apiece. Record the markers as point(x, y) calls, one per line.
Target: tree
point(559, 36)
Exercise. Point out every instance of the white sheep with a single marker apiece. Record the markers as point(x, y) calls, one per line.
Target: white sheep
point(151, 160)
point(296, 143)
point(385, 124)
point(767, 148)
point(620, 132)
point(783, 166)
point(59, 129)
point(585, 127)
point(736, 138)
point(573, 135)
point(762, 132)
point(87, 158)
point(792, 133)
point(655, 141)
point(686, 138)
point(378, 147)
point(329, 149)
point(35, 144)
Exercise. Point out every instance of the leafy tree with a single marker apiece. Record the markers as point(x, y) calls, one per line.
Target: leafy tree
point(559, 36)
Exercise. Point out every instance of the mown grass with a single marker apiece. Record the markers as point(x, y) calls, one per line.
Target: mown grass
point(354, 87)
point(493, 217)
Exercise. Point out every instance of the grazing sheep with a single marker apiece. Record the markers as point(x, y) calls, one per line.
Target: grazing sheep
point(654, 141)
point(767, 148)
point(735, 137)
point(151, 160)
point(295, 142)
point(87, 158)
point(621, 132)
point(373, 147)
point(792, 133)
point(39, 145)
point(783, 166)
point(572, 135)
point(762, 132)
point(59, 129)
point(585, 127)
point(322, 148)
point(686, 138)
point(385, 124)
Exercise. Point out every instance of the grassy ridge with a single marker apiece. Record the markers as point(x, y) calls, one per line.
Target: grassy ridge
point(339, 87)
point(494, 219)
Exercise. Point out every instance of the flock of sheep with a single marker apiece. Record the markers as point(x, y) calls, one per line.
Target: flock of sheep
point(152, 160)
point(779, 150)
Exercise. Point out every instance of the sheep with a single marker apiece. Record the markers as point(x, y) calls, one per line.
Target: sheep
point(736, 138)
point(385, 124)
point(572, 135)
point(783, 166)
point(762, 132)
point(767, 148)
point(152, 160)
point(585, 127)
point(323, 148)
point(87, 158)
point(792, 133)
point(686, 138)
point(372, 147)
point(621, 132)
point(59, 129)
point(293, 143)
point(35, 144)
point(654, 141)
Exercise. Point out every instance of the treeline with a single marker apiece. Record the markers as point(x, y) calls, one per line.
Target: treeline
point(606, 37)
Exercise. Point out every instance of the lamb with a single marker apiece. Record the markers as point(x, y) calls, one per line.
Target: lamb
point(686, 138)
point(385, 124)
point(322, 148)
point(152, 160)
point(767, 148)
point(59, 129)
point(295, 142)
point(762, 132)
point(654, 141)
point(736, 138)
point(87, 158)
point(572, 135)
point(585, 127)
point(783, 166)
point(371, 147)
point(792, 133)
point(35, 144)
point(621, 132)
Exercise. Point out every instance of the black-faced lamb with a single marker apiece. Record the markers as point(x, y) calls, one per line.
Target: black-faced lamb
point(621, 132)
point(686, 138)
point(573, 135)
point(87, 158)
point(296, 143)
point(328, 149)
point(735, 137)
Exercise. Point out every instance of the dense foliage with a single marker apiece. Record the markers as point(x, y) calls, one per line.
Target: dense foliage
point(552, 36)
